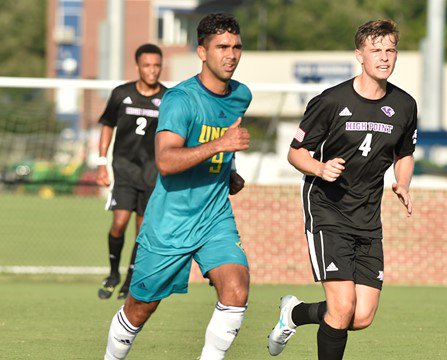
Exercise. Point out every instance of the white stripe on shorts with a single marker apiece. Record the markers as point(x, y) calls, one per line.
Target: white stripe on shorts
point(313, 254)
point(322, 255)
point(109, 197)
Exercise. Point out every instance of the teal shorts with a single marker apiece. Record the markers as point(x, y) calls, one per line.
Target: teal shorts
point(157, 276)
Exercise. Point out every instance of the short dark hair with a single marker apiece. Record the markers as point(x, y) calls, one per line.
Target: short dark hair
point(375, 29)
point(216, 24)
point(147, 49)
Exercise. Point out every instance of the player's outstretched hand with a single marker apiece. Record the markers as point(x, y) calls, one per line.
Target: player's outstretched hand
point(237, 183)
point(236, 138)
point(404, 197)
point(102, 177)
point(331, 170)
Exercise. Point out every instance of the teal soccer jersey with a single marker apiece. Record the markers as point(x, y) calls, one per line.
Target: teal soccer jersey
point(189, 208)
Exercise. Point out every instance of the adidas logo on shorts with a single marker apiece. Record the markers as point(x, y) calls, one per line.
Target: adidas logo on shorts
point(332, 267)
point(142, 286)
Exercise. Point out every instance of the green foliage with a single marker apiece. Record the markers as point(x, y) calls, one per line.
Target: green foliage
point(26, 111)
point(428, 167)
point(262, 138)
point(22, 37)
point(22, 53)
point(325, 24)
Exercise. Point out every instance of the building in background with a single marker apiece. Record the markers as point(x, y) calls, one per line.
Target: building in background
point(84, 35)
point(97, 39)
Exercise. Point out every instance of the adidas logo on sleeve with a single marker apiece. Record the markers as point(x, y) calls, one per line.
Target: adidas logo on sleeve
point(345, 112)
point(127, 100)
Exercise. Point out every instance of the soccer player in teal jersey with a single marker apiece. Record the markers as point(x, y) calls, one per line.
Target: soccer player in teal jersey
point(190, 212)
point(193, 204)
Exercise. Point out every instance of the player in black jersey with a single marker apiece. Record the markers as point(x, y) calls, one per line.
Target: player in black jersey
point(133, 109)
point(356, 130)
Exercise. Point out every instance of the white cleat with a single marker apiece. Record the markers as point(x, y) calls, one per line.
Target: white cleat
point(285, 328)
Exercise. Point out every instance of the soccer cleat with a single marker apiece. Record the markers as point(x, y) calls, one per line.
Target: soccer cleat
point(285, 328)
point(124, 291)
point(108, 286)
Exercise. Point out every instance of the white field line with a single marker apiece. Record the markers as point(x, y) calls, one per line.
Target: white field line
point(62, 270)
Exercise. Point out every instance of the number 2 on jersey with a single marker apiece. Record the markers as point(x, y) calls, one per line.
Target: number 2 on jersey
point(141, 122)
point(366, 145)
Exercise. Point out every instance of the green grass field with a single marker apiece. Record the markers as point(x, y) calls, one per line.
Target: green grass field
point(61, 231)
point(61, 318)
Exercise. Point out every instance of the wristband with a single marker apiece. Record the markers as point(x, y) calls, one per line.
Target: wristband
point(102, 160)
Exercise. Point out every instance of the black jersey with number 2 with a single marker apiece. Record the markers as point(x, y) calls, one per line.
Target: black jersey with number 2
point(367, 134)
point(135, 117)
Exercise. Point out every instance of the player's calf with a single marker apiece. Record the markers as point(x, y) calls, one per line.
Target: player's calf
point(121, 336)
point(222, 331)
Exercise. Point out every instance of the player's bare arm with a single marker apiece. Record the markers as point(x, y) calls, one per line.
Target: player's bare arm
point(305, 163)
point(102, 177)
point(403, 170)
point(172, 157)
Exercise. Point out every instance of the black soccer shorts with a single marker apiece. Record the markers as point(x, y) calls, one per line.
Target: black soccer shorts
point(123, 197)
point(343, 256)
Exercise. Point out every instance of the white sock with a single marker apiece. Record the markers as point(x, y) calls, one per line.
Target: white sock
point(121, 336)
point(222, 330)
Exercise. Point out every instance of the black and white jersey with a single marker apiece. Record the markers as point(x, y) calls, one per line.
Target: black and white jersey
point(135, 117)
point(367, 134)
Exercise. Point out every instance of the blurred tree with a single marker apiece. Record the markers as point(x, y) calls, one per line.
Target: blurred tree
point(22, 54)
point(410, 15)
point(22, 37)
point(325, 24)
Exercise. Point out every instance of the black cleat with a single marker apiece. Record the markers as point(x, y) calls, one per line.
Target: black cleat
point(108, 286)
point(124, 291)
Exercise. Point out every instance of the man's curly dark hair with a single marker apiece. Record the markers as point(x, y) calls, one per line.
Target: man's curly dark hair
point(213, 24)
point(147, 49)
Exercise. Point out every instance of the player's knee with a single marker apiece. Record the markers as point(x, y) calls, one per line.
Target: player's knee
point(118, 228)
point(345, 307)
point(362, 324)
point(362, 321)
point(241, 296)
point(139, 312)
point(340, 314)
point(139, 316)
point(235, 295)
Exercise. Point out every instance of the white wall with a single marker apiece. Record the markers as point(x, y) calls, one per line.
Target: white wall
point(278, 67)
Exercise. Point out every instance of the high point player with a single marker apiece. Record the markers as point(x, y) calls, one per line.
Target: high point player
point(356, 129)
point(133, 109)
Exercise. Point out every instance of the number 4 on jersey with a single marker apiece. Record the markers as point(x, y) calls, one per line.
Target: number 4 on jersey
point(366, 145)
